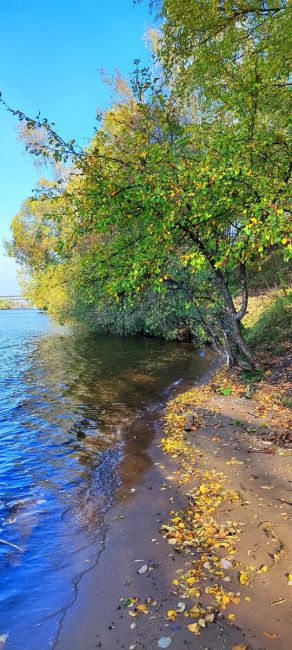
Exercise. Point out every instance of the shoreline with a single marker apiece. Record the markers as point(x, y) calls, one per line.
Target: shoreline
point(100, 616)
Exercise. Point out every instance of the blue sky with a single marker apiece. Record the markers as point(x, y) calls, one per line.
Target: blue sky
point(50, 56)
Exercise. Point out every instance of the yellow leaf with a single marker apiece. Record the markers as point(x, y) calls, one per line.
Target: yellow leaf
point(264, 568)
point(243, 578)
point(204, 488)
point(171, 614)
point(195, 628)
point(142, 608)
point(240, 646)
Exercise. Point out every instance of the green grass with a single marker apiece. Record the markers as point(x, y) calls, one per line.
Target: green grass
point(251, 377)
point(268, 324)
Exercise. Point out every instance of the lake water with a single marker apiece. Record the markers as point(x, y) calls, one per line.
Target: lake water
point(68, 404)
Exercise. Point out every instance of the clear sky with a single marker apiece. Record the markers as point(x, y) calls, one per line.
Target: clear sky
point(51, 52)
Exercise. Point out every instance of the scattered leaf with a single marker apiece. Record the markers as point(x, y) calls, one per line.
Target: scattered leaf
point(143, 608)
point(171, 615)
point(243, 578)
point(264, 568)
point(195, 628)
point(271, 635)
point(209, 618)
point(227, 391)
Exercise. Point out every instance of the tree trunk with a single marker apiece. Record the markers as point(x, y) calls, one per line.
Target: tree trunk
point(224, 349)
point(246, 358)
point(243, 347)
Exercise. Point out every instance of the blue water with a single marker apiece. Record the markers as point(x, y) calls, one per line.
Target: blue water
point(67, 400)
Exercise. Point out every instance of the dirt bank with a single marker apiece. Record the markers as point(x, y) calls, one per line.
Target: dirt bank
point(202, 540)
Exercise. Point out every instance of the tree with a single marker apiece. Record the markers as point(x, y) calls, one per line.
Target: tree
point(188, 192)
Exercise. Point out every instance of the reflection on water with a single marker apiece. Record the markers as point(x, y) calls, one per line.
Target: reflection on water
point(68, 402)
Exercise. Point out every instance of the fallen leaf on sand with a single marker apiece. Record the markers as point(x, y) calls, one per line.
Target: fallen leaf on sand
point(171, 615)
point(271, 635)
point(243, 578)
point(143, 608)
point(209, 618)
point(194, 627)
point(264, 568)
point(164, 642)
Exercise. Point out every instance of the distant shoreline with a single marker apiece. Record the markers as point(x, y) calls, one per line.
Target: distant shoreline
point(20, 308)
point(9, 304)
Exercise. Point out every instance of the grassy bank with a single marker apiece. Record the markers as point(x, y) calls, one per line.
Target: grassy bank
point(268, 323)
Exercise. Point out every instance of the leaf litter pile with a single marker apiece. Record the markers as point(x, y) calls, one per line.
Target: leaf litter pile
point(195, 531)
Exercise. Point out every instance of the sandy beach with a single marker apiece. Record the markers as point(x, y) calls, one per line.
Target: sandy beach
point(100, 615)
